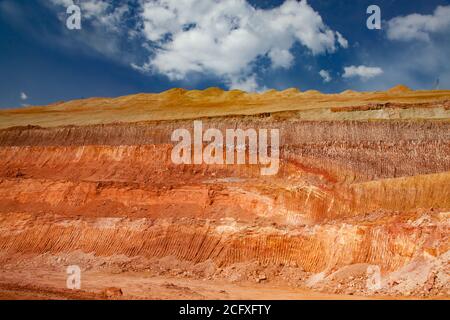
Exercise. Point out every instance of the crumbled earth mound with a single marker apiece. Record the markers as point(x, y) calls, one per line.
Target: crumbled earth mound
point(360, 205)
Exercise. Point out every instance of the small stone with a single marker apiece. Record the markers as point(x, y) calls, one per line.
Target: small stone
point(112, 292)
point(261, 277)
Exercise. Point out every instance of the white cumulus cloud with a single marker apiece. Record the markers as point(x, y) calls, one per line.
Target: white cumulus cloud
point(341, 40)
point(23, 96)
point(247, 83)
point(363, 72)
point(418, 26)
point(89, 8)
point(104, 26)
point(99, 12)
point(325, 75)
point(226, 37)
point(281, 58)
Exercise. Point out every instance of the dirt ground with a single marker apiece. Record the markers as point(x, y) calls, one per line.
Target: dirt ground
point(139, 285)
point(118, 277)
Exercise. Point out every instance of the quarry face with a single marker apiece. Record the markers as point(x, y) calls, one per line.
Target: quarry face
point(359, 206)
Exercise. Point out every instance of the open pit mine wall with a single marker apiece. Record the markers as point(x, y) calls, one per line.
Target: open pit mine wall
point(346, 192)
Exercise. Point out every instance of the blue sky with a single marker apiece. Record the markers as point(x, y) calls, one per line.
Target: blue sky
point(134, 46)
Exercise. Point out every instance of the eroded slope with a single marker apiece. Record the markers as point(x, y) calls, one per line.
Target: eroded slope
point(360, 184)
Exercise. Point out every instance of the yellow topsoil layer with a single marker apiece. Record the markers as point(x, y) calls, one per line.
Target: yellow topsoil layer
point(214, 102)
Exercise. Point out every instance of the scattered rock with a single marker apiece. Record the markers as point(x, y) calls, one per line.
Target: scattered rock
point(112, 292)
point(261, 278)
